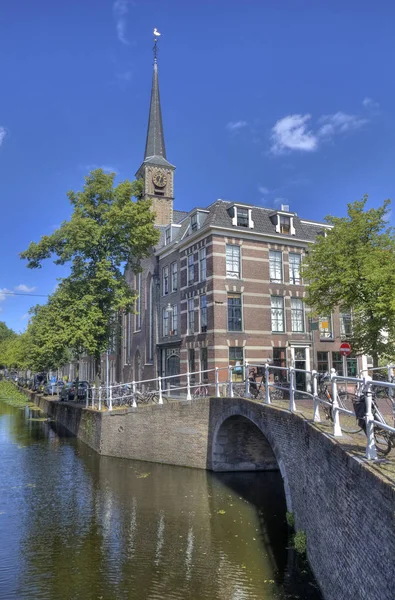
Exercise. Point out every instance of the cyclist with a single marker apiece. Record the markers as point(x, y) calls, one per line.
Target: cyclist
point(253, 384)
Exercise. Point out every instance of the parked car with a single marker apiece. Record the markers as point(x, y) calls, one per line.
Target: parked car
point(83, 390)
point(52, 387)
point(68, 391)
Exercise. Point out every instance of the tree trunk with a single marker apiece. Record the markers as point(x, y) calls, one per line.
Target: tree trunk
point(77, 378)
point(375, 360)
point(97, 369)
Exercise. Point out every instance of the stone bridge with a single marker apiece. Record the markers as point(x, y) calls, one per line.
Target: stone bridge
point(346, 510)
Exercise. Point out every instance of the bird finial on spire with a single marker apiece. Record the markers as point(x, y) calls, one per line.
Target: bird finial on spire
point(155, 48)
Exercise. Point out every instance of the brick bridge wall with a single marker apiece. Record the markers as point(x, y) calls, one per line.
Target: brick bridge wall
point(346, 510)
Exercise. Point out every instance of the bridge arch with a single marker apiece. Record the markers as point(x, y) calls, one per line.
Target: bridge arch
point(240, 442)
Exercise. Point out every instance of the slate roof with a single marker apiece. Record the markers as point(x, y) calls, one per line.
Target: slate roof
point(218, 216)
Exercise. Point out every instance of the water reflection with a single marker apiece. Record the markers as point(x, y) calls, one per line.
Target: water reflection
point(84, 526)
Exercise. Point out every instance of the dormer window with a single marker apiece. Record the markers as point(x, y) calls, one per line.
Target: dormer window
point(168, 236)
point(194, 222)
point(241, 216)
point(285, 224)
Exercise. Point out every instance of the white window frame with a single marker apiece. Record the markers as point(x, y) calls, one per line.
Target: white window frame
point(299, 314)
point(234, 258)
point(191, 316)
point(234, 218)
point(174, 319)
point(291, 223)
point(342, 316)
point(165, 322)
point(274, 317)
point(202, 264)
point(328, 334)
point(191, 267)
point(276, 266)
point(194, 221)
point(174, 276)
point(292, 270)
point(165, 280)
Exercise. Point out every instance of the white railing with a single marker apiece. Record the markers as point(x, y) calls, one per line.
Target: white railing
point(278, 383)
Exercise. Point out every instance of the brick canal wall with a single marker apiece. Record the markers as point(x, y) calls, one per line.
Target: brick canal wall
point(346, 510)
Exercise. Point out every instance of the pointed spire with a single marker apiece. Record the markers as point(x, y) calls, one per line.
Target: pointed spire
point(155, 144)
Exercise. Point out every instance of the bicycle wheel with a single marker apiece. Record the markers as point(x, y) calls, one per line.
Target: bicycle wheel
point(383, 440)
point(348, 423)
point(239, 390)
point(276, 393)
point(322, 394)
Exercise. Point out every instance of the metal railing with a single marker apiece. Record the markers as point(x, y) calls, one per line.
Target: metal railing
point(279, 384)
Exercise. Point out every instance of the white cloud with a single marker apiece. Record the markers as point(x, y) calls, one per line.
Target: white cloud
point(2, 134)
point(263, 190)
point(235, 125)
point(24, 288)
point(121, 9)
point(25, 316)
point(291, 133)
point(4, 292)
point(369, 103)
point(339, 122)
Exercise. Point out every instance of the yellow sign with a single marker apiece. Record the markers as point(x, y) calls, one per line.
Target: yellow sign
point(324, 325)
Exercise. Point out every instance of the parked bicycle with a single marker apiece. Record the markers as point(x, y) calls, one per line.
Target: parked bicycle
point(256, 389)
point(201, 391)
point(345, 400)
point(356, 403)
point(384, 440)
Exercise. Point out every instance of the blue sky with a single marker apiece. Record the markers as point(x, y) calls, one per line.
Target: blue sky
point(263, 102)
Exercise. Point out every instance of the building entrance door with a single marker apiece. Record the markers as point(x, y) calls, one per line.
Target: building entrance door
point(300, 363)
point(172, 367)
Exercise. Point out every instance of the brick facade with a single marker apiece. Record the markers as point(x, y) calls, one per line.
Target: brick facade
point(208, 293)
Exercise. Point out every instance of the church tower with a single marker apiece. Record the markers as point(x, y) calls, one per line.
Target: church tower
point(156, 171)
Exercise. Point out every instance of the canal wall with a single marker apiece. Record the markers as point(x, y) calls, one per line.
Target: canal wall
point(345, 509)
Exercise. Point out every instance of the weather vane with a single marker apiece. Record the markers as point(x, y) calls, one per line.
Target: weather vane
point(155, 48)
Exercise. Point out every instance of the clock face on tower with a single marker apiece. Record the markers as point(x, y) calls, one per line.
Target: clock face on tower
point(159, 179)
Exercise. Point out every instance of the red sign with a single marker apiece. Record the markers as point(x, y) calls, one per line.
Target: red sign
point(345, 349)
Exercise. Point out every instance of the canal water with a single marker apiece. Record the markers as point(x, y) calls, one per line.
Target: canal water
point(74, 525)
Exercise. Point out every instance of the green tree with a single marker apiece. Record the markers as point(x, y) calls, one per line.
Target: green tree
point(107, 230)
point(5, 332)
point(6, 336)
point(353, 267)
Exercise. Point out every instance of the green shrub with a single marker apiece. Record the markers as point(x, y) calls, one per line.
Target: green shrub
point(300, 542)
point(290, 519)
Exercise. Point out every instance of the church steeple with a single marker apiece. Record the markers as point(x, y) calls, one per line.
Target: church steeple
point(157, 172)
point(155, 144)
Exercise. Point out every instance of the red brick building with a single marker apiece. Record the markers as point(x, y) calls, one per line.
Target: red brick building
point(222, 286)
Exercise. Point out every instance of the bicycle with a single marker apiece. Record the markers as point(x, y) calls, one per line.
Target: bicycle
point(345, 400)
point(384, 440)
point(201, 391)
point(255, 389)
